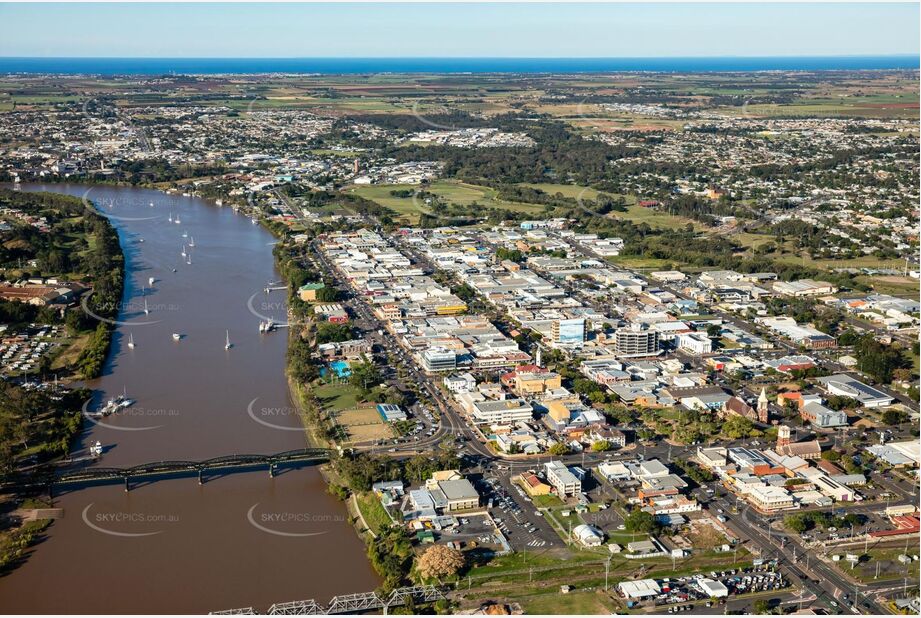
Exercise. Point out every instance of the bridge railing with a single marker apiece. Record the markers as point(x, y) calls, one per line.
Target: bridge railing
point(350, 603)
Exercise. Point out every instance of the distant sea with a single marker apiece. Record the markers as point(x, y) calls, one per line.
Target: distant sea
point(161, 66)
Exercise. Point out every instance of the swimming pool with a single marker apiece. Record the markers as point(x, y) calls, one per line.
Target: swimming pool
point(340, 368)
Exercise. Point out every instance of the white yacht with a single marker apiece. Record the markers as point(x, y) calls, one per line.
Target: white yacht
point(151, 281)
point(176, 336)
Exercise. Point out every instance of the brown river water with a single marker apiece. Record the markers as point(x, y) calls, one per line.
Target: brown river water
point(173, 546)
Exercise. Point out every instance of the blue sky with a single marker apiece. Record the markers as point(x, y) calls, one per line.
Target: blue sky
point(457, 30)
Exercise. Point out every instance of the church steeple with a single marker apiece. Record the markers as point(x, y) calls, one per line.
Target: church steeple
point(763, 402)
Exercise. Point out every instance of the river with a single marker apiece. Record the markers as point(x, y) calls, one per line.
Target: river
point(174, 546)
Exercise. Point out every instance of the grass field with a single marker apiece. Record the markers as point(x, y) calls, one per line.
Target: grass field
point(337, 397)
point(579, 602)
point(657, 219)
point(453, 192)
point(889, 566)
point(373, 511)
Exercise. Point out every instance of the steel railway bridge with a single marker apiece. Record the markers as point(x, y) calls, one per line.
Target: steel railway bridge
point(347, 603)
point(95, 475)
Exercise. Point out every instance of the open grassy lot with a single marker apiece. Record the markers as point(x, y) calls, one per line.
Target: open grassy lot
point(453, 192)
point(656, 218)
point(336, 397)
point(579, 602)
point(373, 511)
point(889, 565)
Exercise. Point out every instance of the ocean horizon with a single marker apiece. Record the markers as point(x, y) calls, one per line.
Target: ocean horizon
point(212, 66)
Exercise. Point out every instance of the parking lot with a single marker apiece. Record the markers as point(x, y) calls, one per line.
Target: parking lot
point(21, 351)
point(686, 594)
point(516, 516)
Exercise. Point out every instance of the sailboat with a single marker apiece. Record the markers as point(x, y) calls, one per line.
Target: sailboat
point(185, 234)
point(189, 259)
point(227, 344)
point(183, 254)
point(192, 241)
point(170, 218)
point(146, 310)
point(130, 340)
point(176, 220)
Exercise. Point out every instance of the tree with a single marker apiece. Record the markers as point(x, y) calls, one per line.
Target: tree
point(601, 445)
point(761, 606)
point(737, 427)
point(440, 561)
point(558, 449)
point(799, 523)
point(365, 376)
point(640, 521)
point(894, 417)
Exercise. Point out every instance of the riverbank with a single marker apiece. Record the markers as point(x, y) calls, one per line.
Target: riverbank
point(196, 400)
point(41, 428)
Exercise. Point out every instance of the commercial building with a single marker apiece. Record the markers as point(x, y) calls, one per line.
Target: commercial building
point(502, 411)
point(460, 494)
point(713, 588)
point(804, 287)
point(308, 291)
point(435, 360)
point(695, 343)
point(562, 479)
point(568, 332)
point(587, 535)
point(844, 385)
point(390, 412)
point(636, 341)
point(822, 417)
point(639, 589)
point(805, 336)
